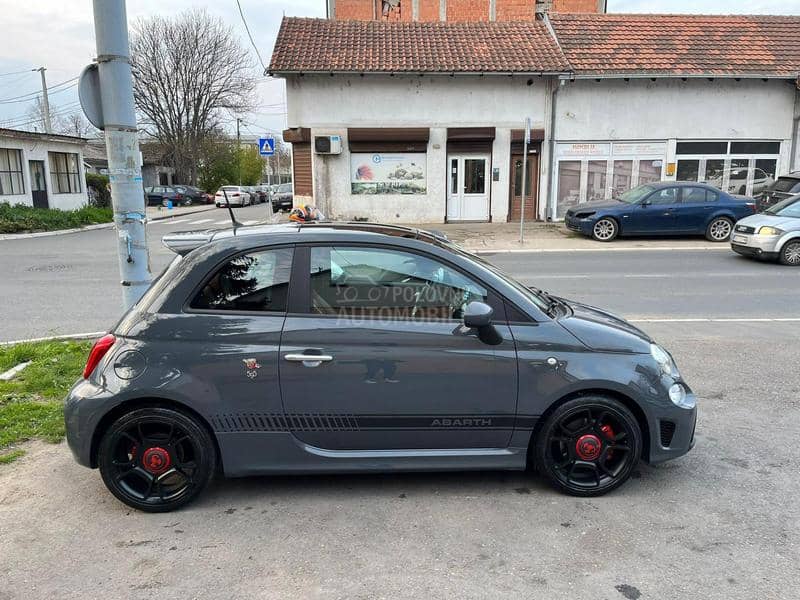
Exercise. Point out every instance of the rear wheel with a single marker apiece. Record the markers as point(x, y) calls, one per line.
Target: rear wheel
point(156, 459)
point(719, 230)
point(588, 446)
point(790, 254)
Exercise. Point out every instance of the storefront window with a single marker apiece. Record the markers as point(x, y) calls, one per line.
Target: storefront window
point(569, 185)
point(650, 171)
point(688, 170)
point(623, 176)
point(596, 181)
point(715, 170)
point(737, 179)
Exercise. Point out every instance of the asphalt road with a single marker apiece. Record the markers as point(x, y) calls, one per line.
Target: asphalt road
point(70, 283)
point(719, 523)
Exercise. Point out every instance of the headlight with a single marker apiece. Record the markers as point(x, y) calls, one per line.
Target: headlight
point(664, 360)
point(770, 231)
point(584, 215)
point(677, 393)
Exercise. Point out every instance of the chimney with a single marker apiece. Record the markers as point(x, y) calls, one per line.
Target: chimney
point(542, 8)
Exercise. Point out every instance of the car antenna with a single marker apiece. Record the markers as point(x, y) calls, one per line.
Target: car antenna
point(230, 210)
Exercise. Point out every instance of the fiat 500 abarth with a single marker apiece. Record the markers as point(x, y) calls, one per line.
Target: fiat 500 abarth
point(322, 348)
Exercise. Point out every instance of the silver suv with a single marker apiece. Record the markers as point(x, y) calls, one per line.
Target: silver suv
point(773, 234)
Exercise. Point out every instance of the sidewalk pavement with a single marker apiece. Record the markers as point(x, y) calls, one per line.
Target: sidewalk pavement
point(553, 237)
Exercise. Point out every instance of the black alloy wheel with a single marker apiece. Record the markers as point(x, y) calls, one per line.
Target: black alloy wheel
point(588, 446)
point(156, 459)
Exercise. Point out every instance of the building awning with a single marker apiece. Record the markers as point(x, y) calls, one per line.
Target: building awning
point(388, 139)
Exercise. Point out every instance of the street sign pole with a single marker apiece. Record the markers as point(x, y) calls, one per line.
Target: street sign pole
point(524, 179)
point(107, 99)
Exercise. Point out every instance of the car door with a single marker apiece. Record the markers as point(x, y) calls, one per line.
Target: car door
point(655, 214)
point(396, 367)
point(694, 212)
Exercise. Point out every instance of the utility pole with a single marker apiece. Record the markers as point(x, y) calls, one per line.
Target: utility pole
point(48, 127)
point(238, 150)
point(122, 146)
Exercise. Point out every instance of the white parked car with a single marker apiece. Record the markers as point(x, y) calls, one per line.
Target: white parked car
point(237, 196)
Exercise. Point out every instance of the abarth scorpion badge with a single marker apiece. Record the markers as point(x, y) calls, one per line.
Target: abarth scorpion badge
point(251, 367)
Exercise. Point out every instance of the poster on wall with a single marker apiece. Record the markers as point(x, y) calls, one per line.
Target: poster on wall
point(388, 173)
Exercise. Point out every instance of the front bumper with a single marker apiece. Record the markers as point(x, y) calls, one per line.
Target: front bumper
point(753, 244)
point(672, 431)
point(583, 226)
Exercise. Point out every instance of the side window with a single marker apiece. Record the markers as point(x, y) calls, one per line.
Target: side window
point(664, 196)
point(696, 195)
point(375, 282)
point(258, 281)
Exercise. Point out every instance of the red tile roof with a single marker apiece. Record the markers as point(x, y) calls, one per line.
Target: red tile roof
point(321, 45)
point(680, 44)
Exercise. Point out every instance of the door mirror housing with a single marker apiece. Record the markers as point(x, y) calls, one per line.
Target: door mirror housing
point(478, 315)
point(646, 202)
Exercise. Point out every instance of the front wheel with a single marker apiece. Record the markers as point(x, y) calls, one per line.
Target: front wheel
point(790, 254)
point(588, 446)
point(156, 459)
point(719, 230)
point(605, 230)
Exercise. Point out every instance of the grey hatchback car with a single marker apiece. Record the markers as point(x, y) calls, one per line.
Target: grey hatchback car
point(323, 347)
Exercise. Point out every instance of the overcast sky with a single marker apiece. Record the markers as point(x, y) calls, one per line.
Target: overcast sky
point(59, 35)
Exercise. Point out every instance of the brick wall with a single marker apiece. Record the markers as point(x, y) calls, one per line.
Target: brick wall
point(457, 10)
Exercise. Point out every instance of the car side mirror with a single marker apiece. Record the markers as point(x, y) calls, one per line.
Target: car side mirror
point(646, 203)
point(478, 315)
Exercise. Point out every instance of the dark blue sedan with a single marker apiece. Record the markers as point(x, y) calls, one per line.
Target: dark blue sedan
point(665, 208)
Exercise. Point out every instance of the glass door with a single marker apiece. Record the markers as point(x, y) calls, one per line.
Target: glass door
point(468, 188)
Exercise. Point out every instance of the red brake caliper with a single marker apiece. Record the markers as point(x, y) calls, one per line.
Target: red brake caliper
point(609, 433)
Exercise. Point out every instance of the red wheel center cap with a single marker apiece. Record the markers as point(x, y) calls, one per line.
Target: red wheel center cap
point(156, 460)
point(588, 447)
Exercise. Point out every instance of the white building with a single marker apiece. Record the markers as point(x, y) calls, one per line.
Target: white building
point(423, 122)
point(41, 169)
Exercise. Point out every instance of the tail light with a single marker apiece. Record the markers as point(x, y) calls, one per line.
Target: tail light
point(236, 195)
point(751, 206)
point(98, 351)
point(178, 197)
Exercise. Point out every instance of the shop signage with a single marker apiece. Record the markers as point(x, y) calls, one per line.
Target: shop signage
point(580, 149)
point(388, 173)
point(640, 149)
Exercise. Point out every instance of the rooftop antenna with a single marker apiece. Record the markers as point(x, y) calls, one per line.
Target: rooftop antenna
point(234, 222)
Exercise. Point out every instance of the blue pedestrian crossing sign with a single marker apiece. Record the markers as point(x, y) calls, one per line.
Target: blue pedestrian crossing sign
point(266, 146)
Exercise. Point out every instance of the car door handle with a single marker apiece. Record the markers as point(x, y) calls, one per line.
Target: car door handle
point(309, 360)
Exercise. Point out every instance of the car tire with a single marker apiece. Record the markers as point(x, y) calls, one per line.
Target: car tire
point(187, 202)
point(605, 229)
point(790, 254)
point(588, 446)
point(156, 459)
point(719, 230)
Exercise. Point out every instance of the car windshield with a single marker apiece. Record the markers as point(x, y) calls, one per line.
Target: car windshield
point(633, 196)
point(535, 296)
point(786, 208)
point(286, 187)
point(786, 184)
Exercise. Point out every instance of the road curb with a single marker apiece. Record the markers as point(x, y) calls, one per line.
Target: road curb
point(24, 236)
point(52, 338)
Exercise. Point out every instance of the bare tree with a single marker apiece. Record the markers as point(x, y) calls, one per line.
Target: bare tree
point(62, 120)
point(188, 71)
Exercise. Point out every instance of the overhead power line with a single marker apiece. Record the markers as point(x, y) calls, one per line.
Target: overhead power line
point(31, 95)
point(258, 54)
point(15, 73)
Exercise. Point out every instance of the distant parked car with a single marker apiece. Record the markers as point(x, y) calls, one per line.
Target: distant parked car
point(262, 193)
point(782, 188)
point(665, 208)
point(773, 234)
point(737, 180)
point(282, 197)
point(236, 195)
point(194, 195)
point(159, 195)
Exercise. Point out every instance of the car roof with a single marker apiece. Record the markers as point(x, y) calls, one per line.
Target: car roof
point(270, 233)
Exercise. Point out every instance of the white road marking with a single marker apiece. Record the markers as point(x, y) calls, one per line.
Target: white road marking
point(167, 221)
point(718, 320)
point(201, 221)
point(613, 249)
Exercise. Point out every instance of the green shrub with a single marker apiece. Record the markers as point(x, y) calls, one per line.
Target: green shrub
point(99, 183)
point(20, 218)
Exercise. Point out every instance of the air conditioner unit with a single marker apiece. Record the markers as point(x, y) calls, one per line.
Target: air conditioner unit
point(328, 144)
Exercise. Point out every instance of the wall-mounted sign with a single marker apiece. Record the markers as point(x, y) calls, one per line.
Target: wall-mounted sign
point(579, 149)
point(640, 149)
point(388, 173)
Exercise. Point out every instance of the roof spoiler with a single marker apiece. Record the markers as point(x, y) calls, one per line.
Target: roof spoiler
point(184, 242)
